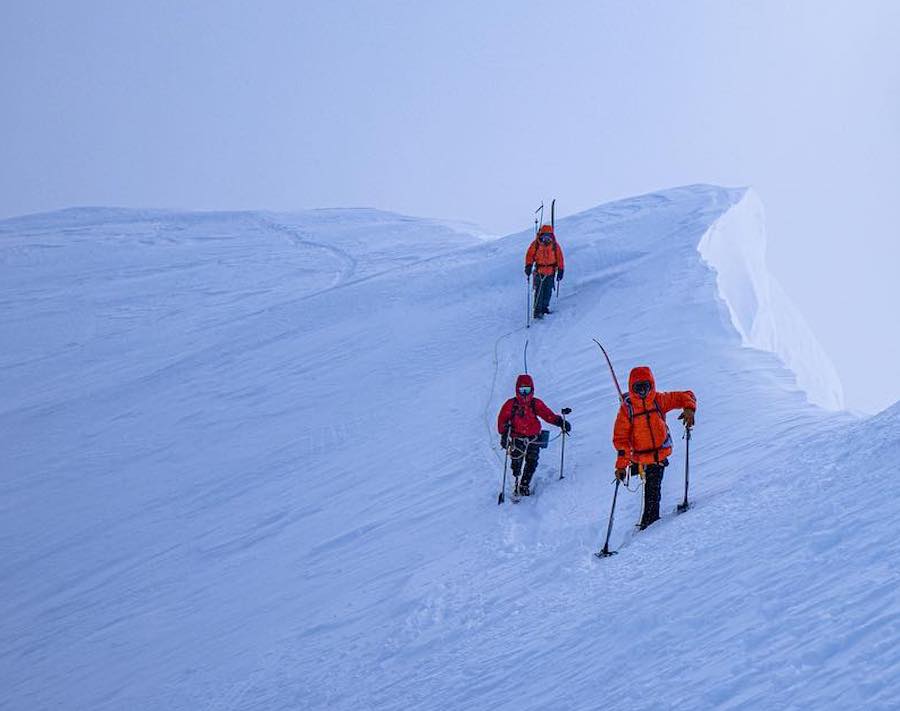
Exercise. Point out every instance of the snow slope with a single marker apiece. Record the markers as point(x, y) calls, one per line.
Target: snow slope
point(249, 463)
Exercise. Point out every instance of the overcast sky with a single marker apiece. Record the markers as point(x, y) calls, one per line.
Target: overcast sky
point(478, 111)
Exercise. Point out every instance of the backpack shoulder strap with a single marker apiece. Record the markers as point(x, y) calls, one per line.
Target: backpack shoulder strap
point(517, 408)
point(626, 401)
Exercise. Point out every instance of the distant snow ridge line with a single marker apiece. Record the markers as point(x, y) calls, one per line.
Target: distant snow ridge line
point(735, 248)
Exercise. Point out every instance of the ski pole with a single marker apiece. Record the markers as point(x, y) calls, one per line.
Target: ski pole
point(684, 505)
point(605, 552)
point(562, 456)
point(502, 495)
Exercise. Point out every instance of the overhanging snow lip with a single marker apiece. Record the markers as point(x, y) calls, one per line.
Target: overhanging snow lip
point(759, 310)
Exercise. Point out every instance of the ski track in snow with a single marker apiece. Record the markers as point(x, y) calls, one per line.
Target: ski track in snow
point(347, 262)
point(250, 462)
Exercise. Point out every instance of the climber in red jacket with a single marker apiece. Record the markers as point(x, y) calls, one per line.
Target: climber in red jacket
point(520, 428)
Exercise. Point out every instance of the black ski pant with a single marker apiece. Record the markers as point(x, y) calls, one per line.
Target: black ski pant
point(653, 476)
point(527, 450)
point(543, 290)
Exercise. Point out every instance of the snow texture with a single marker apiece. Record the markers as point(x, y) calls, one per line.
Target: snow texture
point(249, 462)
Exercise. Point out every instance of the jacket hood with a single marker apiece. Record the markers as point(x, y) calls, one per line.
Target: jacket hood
point(642, 372)
point(546, 230)
point(524, 379)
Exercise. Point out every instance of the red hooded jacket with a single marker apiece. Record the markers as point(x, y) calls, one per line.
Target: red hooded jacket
point(522, 412)
point(641, 433)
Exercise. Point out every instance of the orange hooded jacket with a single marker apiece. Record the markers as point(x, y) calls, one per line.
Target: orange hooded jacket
point(546, 257)
point(641, 434)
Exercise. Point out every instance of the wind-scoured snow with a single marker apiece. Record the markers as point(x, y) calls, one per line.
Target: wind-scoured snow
point(249, 462)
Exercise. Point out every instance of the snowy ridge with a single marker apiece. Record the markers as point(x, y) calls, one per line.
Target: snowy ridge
point(246, 466)
point(735, 247)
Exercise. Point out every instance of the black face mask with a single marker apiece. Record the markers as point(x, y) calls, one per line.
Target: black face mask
point(642, 388)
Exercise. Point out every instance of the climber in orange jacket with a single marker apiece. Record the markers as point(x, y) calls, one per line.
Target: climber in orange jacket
point(641, 436)
point(545, 257)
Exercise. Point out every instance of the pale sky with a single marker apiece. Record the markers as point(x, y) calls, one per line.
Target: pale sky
point(477, 111)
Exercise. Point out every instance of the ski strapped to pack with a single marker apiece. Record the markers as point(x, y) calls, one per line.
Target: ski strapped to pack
point(612, 370)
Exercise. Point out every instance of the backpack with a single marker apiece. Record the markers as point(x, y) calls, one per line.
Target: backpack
point(667, 440)
point(537, 242)
point(517, 409)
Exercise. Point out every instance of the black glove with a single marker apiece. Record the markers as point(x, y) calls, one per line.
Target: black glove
point(503, 441)
point(620, 474)
point(528, 269)
point(560, 422)
point(559, 274)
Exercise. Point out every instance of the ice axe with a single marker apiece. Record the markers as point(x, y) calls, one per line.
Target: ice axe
point(502, 496)
point(605, 552)
point(528, 306)
point(685, 505)
point(562, 455)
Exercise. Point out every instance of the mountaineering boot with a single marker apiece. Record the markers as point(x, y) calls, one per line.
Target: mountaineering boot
point(530, 467)
point(653, 475)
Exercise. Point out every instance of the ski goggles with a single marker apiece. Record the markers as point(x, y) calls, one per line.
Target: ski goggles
point(641, 387)
point(545, 237)
point(525, 390)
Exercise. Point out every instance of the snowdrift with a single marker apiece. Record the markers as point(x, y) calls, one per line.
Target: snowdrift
point(735, 247)
point(249, 462)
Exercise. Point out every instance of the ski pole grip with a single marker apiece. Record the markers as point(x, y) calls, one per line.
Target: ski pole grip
point(566, 410)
